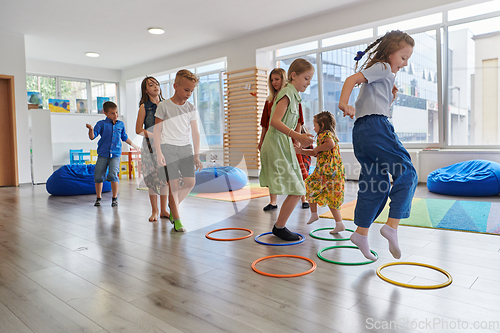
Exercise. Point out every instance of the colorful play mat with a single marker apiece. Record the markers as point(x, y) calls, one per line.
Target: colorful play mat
point(472, 216)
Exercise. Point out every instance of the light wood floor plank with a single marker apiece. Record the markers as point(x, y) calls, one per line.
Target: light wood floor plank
point(38, 309)
point(10, 323)
point(107, 310)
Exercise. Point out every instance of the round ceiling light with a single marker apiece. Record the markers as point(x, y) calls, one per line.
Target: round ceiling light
point(92, 54)
point(156, 31)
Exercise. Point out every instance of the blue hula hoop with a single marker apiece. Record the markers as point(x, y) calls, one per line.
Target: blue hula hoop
point(284, 244)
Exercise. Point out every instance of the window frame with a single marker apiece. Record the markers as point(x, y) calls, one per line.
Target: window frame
point(442, 63)
point(89, 90)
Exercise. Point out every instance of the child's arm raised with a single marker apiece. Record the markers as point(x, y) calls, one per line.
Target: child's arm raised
point(91, 131)
point(196, 144)
point(157, 138)
point(305, 139)
point(349, 84)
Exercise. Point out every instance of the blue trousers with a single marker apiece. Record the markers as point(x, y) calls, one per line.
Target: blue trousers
point(380, 153)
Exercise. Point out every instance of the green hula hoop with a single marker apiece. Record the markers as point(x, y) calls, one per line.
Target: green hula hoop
point(345, 263)
point(328, 239)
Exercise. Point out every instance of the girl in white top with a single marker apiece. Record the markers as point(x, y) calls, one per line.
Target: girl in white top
point(376, 145)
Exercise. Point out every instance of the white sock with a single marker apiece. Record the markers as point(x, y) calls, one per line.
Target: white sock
point(391, 235)
point(339, 227)
point(314, 217)
point(362, 243)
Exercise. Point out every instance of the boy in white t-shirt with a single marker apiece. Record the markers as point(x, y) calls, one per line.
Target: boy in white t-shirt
point(175, 155)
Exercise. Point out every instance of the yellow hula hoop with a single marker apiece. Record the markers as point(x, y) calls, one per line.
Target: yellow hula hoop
point(436, 286)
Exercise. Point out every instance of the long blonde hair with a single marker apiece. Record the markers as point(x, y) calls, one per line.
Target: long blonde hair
point(273, 92)
point(389, 43)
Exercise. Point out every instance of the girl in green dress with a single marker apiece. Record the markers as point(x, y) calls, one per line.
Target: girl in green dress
point(280, 169)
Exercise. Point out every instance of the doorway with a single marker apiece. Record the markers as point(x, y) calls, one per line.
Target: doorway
point(8, 155)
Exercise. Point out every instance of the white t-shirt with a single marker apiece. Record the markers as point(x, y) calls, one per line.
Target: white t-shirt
point(375, 96)
point(176, 125)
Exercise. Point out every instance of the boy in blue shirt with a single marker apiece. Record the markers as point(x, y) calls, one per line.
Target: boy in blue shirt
point(109, 150)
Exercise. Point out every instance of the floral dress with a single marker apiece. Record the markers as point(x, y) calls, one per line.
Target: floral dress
point(149, 165)
point(325, 186)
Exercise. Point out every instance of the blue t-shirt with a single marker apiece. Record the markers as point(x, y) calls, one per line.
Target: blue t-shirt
point(375, 96)
point(110, 143)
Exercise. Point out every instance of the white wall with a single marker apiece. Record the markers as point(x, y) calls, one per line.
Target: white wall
point(12, 55)
point(44, 67)
point(71, 133)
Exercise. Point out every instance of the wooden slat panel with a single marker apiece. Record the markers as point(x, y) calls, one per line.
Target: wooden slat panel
point(242, 113)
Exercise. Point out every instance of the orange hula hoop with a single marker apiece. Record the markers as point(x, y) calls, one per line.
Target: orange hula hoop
point(228, 239)
point(254, 264)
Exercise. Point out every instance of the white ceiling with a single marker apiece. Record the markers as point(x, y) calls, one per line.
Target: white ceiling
point(63, 30)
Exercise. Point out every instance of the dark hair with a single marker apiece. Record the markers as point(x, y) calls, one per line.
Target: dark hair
point(326, 122)
point(108, 106)
point(144, 86)
point(389, 43)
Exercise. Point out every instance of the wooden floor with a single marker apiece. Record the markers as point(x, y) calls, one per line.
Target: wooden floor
point(66, 266)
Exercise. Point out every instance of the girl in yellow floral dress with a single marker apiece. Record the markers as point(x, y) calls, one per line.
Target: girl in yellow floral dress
point(325, 186)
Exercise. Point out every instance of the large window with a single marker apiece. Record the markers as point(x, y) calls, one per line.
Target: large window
point(448, 93)
point(45, 86)
point(103, 89)
point(81, 93)
point(209, 107)
point(414, 112)
point(75, 92)
point(337, 65)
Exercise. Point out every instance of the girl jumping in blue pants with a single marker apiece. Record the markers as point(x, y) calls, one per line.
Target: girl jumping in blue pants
point(376, 145)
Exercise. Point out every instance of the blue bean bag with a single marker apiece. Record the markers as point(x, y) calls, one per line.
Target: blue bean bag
point(471, 178)
point(74, 179)
point(219, 179)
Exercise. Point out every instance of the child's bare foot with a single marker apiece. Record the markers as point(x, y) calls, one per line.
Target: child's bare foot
point(165, 215)
point(154, 216)
point(314, 217)
point(339, 227)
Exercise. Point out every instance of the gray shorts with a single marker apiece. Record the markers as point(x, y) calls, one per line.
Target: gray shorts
point(180, 162)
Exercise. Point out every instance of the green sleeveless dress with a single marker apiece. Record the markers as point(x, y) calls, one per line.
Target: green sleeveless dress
point(280, 170)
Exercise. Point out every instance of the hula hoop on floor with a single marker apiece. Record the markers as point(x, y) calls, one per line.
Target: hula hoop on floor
point(436, 286)
point(284, 275)
point(228, 239)
point(274, 244)
point(345, 263)
point(329, 239)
